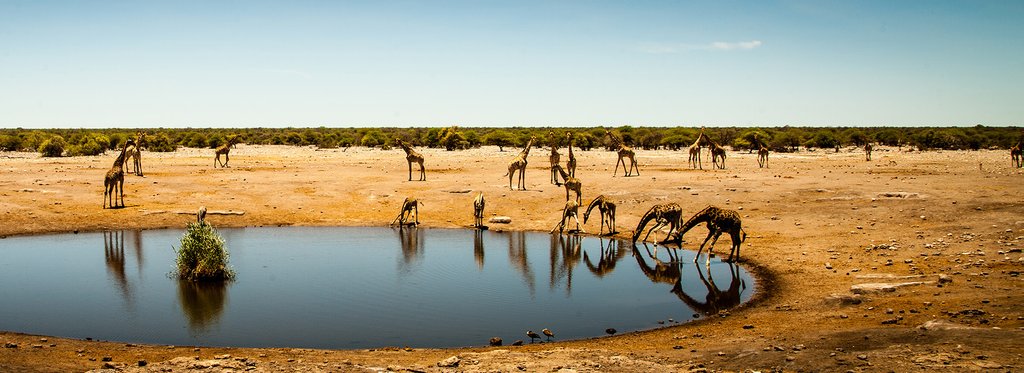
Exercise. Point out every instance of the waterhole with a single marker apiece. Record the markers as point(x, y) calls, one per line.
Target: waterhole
point(355, 287)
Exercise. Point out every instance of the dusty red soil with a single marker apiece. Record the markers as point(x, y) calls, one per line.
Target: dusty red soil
point(820, 223)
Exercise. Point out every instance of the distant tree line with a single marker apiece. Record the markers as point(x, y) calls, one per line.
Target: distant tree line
point(74, 142)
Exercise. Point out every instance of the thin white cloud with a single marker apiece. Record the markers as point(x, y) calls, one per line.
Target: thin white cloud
point(719, 45)
point(669, 48)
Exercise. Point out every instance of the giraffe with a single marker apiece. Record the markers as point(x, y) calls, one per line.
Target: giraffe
point(413, 156)
point(718, 221)
point(624, 152)
point(717, 151)
point(478, 210)
point(225, 149)
point(762, 153)
point(694, 160)
point(554, 158)
point(571, 184)
point(570, 210)
point(667, 214)
point(410, 207)
point(1016, 156)
point(135, 153)
point(867, 151)
point(607, 210)
point(519, 164)
point(570, 165)
point(113, 183)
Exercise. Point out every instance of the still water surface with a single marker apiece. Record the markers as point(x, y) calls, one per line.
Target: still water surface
point(354, 287)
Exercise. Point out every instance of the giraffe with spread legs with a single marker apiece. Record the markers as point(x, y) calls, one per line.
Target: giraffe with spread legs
point(412, 156)
point(570, 165)
point(519, 164)
point(224, 150)
point(623, 152)
point(668, 214)
point(867, 151)
point(571, 210)
point(554, 158)
point(607, 210)
point(410, 210)
point(718, 221)
point(571, 184)
point(135, 153)
point(1016, 155)
point(113, 183)
point(478, 210)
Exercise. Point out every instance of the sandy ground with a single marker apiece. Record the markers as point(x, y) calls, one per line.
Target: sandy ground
point(946, 226)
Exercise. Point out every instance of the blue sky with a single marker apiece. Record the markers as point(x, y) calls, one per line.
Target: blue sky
point(522, 63)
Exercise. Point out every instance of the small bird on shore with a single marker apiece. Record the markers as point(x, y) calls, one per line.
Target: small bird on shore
point(532, 335)
point(548, 333)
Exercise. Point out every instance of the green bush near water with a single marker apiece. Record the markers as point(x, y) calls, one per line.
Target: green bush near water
point(202, 255)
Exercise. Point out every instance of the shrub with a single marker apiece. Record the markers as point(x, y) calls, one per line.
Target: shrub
point(10, 143)
point(88, 146)
point(202, 255)
point(53, 147)
point(160, 143)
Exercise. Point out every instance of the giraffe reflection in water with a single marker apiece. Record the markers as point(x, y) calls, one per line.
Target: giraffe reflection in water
point(478, 248)
point(113, 254)
point(670, 272)
point(518, 260)
point(716, 299)
point(411, 240)
point(606, 260)
point(568, 248)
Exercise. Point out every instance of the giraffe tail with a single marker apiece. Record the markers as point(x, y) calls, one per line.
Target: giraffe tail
point(744, 238)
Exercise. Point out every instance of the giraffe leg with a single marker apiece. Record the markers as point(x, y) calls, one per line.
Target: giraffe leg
point(701, 247)
point(410, 170)
point(227, 158)
point(711, 248)
point(423, 172)
point(735, 236)
point(578, 227)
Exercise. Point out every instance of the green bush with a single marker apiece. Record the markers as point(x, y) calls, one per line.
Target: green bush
point(87, 147)
point(53, 147)
point(160, 143)
point(10, 143)
point(202, 255)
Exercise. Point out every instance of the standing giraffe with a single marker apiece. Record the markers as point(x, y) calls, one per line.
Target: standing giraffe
point(668, 214)
point(412, 156)
point(554, 158)
point(571, 184)
point(1016, 156)
point(762, 152)
point(570, 210)
point(478, 210)
point(867, 151)
point(225, 149)
point(135, 153)
point(607, 210)
point(570, 165)
point(624, 152)
point(113, 183)
point(718, 221)
point(717, 152)
point(519, 164)
point(694, 160)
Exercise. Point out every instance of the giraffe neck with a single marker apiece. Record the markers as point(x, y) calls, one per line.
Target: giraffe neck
point(701, 217)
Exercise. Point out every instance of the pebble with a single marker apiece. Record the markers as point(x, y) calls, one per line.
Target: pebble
point(495, 341)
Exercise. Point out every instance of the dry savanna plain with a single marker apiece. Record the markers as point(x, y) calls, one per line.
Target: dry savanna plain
point(908, 262)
